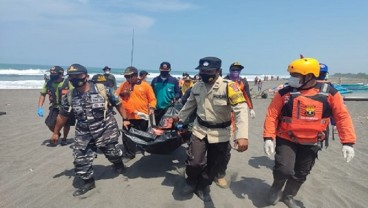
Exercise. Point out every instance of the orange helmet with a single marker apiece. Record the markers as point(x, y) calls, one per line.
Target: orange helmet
point(304, 66)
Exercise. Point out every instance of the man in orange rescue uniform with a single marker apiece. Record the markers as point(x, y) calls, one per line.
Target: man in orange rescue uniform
point(296, 119)
point(139, 102)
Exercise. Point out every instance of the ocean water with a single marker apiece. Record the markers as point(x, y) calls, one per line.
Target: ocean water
point(25, 76)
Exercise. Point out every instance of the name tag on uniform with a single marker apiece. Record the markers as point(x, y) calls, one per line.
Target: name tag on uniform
point(97, 99)
point(222, 97)
point(97, 105)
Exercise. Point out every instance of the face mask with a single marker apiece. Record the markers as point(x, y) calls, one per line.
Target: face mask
point(107, 72)
point(206, 78)
point(234, 75)
point(54, 77)
point(78, 82)
point(294, 82)
point(164, 73)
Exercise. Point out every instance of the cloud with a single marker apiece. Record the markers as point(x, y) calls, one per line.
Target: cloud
point(51, 13)
point(103, 14)
point(163, 5)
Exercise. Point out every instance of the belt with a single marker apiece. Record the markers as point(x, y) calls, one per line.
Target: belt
point(213, 125)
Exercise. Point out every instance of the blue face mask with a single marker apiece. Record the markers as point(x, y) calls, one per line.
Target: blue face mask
point(234, 75)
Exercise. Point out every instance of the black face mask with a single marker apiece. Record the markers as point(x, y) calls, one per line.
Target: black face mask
point(54, 77)
point(206, 78)
point(78, 82)
point(164, 73)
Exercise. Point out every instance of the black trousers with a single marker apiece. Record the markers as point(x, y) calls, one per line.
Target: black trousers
point(129, 147)
point(223, 167)
point(202, 170)
point(293, 161)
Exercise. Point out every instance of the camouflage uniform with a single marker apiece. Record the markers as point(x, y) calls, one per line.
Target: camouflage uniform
point(93, 130)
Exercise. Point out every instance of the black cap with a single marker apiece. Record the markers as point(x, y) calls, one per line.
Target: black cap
point(236, 66)
point(143, 72)
point(209, 63)
point(76, 69)
point(165, 66)
point(187, 78)
point(106, 68)
point(130, 70)
point(56, 70)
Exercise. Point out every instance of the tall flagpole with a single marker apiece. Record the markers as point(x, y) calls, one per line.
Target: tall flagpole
point(132, 51)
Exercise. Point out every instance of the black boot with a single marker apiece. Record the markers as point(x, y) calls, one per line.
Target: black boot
point(120, 168)
point(88, 185)
point(188, 188)
point(204, 194)
point(291, 189)
point(275, 193)
point(290, 202)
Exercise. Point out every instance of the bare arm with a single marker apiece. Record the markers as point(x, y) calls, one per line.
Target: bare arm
point(41, 100)
point(60, 122)
point(120, 108)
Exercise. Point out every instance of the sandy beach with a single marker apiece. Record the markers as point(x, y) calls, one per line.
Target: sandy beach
point(34, 174)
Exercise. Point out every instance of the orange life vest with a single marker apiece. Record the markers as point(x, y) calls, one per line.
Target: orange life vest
point(305, 118)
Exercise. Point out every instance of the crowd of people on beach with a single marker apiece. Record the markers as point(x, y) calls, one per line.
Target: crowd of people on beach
point(217, 109)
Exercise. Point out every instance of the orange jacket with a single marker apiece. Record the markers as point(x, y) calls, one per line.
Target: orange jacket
point(278, 109)
point(244, 86)
point(141, 98)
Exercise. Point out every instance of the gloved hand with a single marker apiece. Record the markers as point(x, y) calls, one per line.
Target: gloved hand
point(142, 115)
point(269, 147)
point(40, 111)
point(252, 113)
point(180, 126)
point(348, 152)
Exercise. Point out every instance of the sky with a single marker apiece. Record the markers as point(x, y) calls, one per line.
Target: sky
point(263, 35)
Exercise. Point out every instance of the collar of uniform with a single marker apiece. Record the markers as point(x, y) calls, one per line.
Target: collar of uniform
point(218, 82)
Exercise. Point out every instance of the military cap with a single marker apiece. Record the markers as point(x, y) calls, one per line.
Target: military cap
point(76, 69)
point(106, 68)
point(56, 70)
point(209, 63)
point(236, 66)
point(130, 70)
point(165, 66)
point(143, 72)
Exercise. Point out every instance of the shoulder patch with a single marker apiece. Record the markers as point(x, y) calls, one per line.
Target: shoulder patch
point(235, 95)
point(234, 86)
